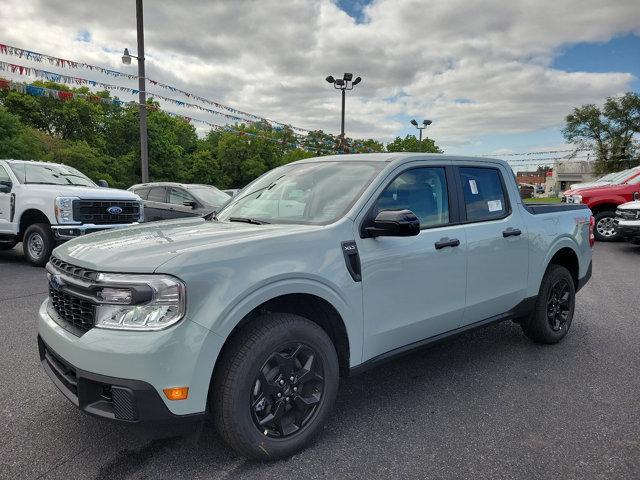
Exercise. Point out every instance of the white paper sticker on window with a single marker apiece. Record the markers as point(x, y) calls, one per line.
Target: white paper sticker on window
point(474, 187)
point(494, 205)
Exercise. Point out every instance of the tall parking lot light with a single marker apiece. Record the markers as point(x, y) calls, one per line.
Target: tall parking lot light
point(425, 124)
point(347, 82)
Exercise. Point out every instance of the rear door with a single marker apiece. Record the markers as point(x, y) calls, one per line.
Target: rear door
point(414, 287)
point(497, 241)
point(155, 206)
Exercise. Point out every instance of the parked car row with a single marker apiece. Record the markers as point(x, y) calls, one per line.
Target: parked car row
point(605, 199)
point(43, 204)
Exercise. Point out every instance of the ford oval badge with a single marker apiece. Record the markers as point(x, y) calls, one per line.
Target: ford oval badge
point(114, 210)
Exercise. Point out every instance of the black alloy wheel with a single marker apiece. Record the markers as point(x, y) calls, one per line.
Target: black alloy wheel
point(558, 305)
point(287, 391)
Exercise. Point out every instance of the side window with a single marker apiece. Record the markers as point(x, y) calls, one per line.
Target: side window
point(143, 193)
point(4, 176)
point(177, 196)
point(484, 196)
point(157, 194)
point(421, 190)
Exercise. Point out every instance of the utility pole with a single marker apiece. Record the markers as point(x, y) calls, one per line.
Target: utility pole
point(144, 151)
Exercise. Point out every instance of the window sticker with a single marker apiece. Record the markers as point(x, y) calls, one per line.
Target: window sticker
point(494, 205)
point(474, 187)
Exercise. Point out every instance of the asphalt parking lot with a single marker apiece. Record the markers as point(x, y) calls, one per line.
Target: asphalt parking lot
point(488, 404)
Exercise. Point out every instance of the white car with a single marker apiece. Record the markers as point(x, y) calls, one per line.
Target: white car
point(43, 204)
point(627, 221)
point(609, 179)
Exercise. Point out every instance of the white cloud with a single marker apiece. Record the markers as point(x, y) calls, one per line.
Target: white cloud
point(475, 68)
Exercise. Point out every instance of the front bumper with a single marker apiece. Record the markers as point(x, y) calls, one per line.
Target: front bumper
point(119, 399)
point(180, 356)
point(628, 229)
point(67, 232)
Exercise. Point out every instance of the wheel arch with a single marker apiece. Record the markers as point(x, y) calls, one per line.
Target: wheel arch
point(308, 305)
point(29, 217)
point(567, 258)
point(604, 206)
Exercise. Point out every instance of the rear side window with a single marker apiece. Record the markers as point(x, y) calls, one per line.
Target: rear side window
point(179, 197)
point(484, 196)
point(157, 194)
point(4, 176)
point(142, 192)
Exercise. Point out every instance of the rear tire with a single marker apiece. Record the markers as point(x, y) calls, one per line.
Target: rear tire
point(605, 229)
point(264, 404)
point(38, 243)
point(551, 319)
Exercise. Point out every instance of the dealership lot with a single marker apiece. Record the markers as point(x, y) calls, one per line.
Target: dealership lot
point(488, 404)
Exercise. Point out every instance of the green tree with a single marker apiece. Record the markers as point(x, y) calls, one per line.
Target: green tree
point(411, 144)
point(18, 141)
point(608, 130)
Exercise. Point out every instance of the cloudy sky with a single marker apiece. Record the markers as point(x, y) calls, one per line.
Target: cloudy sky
point(494, 76)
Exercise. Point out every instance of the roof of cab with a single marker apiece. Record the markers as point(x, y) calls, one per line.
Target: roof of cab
point(399, 158)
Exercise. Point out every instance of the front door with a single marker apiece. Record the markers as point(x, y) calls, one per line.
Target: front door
point(5, 204)
point(413, 287)
point(498, 261)
point(155, 206)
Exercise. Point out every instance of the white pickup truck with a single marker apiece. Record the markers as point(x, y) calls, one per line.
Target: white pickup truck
point(43, 204)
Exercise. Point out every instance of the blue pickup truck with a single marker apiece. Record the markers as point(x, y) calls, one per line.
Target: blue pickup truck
point(320, 268)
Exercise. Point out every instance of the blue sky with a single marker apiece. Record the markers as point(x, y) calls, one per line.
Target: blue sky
point(493, 76)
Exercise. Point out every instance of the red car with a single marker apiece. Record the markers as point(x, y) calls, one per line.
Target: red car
point(603, 201)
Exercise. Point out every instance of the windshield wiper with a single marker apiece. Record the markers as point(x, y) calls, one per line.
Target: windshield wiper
point(253, 221)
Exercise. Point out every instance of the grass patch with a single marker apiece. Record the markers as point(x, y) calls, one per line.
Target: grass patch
point(542, 200)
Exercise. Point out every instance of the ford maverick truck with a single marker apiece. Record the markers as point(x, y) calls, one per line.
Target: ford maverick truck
point(43, 204)
point(317, 269)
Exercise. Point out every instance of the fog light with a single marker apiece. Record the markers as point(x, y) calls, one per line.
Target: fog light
point(176, 393)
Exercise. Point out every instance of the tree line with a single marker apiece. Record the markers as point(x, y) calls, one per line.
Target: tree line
point(101, 139)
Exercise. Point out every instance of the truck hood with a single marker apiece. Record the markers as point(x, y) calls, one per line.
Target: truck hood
point(635, 205)
point(595, 190)
point(143, 248)
point(89, 193)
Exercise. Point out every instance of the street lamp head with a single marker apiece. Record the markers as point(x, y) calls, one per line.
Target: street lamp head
point(126, 58)
point(339, 82)
point(414, 123)
point(347, 77)
point(330, 79)
point(427, 123)
point(357, 80)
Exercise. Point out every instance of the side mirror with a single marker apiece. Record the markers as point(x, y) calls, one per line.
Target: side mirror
point(636, 195)
point(191, 204)
point(5, 186)
point(103, 184)
point(394, 223)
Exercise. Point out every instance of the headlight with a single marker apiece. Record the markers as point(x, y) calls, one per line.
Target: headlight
point(139, 302)
point(63, 207)
point(576, 198)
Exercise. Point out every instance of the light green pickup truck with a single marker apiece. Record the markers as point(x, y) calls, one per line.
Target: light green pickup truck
point(317, 269)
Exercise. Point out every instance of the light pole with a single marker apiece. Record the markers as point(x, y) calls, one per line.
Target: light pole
point(425, 124)
point(142, 94)
point(347, 82)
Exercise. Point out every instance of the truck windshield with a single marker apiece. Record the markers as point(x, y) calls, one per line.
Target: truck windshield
point(53, 174)
point(210, 195)
point(305, 193)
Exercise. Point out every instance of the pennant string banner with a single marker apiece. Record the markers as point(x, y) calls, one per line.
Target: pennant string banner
point(64, 63)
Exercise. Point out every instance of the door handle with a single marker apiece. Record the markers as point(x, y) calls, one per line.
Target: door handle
point(511, 232)
point(454, 242)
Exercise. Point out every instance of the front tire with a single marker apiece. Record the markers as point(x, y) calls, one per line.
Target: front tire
point(274, 386)
point(553, 313)
point(38, 243)
point(605, 229)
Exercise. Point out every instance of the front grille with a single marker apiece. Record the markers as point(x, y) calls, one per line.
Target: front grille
point(73, 310)
point(72, 270)
point(62, 370)
point(96, 211)
point(628, 214)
